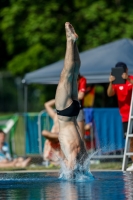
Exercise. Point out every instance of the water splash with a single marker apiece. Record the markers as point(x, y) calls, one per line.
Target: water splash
point(80, 173)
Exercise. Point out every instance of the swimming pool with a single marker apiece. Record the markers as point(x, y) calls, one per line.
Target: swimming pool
point(107, 185)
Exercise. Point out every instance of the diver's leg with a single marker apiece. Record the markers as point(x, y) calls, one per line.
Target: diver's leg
point(63, 97)
point(75, 73)
point(75, 83)
point(75, 91)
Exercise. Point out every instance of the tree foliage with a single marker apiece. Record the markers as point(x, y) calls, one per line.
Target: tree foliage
point(33, 31)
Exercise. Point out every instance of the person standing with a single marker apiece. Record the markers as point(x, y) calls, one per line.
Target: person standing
point(81, 94)
point(123, 93)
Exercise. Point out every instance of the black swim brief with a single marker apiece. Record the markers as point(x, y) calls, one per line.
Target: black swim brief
point(71, 111)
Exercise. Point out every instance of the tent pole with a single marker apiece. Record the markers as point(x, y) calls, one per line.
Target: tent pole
point(25, 98)
point(25, 111)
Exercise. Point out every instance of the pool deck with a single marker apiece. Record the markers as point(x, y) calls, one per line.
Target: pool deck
point(52, 170)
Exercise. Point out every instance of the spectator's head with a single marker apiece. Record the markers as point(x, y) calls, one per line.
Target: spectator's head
point(2, 137)
point(123, 65)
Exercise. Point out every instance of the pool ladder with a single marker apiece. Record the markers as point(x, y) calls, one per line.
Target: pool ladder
point(128, 137)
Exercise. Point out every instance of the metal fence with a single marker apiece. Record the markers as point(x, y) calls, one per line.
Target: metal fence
point(105, 137)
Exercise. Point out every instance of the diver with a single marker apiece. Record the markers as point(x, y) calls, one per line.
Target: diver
point(67, 105)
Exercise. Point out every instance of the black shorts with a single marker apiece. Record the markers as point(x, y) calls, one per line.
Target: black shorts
point(71, 111)
point(125, 124)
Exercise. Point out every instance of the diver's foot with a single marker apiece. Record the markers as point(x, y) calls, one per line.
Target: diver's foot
point(70, 32)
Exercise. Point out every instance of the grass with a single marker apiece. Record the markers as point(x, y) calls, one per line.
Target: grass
point(100, 166)
point(107, 166)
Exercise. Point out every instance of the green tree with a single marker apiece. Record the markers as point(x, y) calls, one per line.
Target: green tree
point(32, 32)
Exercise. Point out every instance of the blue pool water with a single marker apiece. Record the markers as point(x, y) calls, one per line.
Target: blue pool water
point(47, 186)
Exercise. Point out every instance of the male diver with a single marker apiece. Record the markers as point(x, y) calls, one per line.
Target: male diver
point(67, 104)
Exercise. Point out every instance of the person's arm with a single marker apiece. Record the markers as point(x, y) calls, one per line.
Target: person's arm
point(82, 89)
point(110, 90)
point(81, 95)
point(49, 108)
point(88, 126)
point(130, 80)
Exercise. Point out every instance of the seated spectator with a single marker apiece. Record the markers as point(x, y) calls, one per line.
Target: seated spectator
point(5, 157)
point(52, 150)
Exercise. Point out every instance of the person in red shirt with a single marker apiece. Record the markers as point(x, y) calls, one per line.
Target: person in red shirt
point(123, 93)
point(81, 94)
